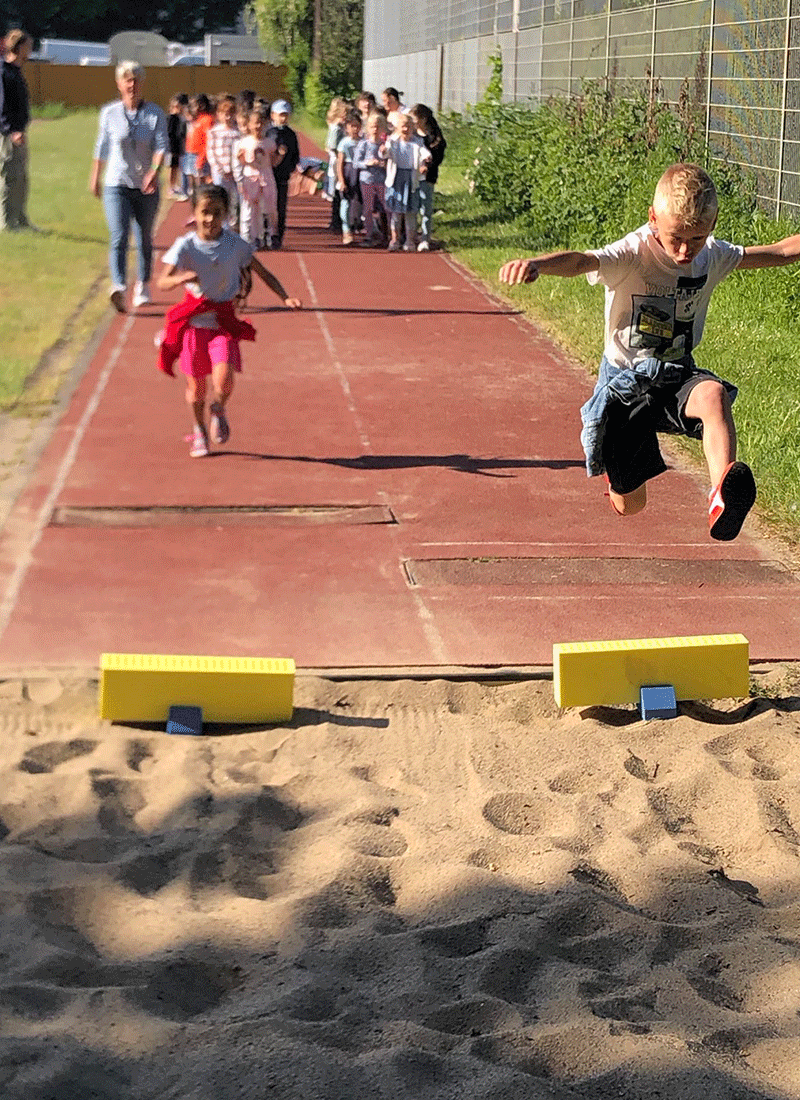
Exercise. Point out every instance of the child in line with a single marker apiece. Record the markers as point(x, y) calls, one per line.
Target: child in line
point(176, 135)
point(258, 194)
point(429, 130)
point(407, 162)
point(335, 119)
point(394, 107)
point(347, 175)
point(202, 119)
point(370, 164)
point(203, 331)
point(659, 281)
point(289, 150)
point(219, 152)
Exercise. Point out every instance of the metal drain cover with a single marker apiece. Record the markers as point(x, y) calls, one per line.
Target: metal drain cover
point(596, 571)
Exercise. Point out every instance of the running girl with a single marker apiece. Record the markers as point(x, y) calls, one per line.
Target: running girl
point(203, 331)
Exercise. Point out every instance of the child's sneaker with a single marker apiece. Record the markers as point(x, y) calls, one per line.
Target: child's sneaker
point(220, 428)
point(730, 502)
point(199, 440)
point(424, 246)
point(394, 246)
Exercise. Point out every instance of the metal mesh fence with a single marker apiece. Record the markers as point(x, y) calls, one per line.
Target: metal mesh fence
point(738, 59)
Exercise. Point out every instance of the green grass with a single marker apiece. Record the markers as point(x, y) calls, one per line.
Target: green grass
point(746, 340)
point(44, 277)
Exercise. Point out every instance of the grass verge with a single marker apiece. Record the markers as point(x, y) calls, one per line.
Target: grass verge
point(50, 281)
point(746, 340)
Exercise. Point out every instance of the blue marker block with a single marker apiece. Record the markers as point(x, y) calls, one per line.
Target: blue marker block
point(658, 702)
point(185, 720)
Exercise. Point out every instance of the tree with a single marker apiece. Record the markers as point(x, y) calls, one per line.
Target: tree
point(98, 20)
point(321, 37)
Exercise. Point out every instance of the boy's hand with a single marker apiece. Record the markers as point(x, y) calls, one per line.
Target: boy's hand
point(292, 303)
point(187, 277)
point(519, 271)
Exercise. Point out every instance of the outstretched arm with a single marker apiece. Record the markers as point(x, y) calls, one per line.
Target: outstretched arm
point(772, 255)
point(276, 287)
point(567, 264)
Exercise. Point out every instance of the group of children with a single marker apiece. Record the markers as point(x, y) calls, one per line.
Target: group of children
point(242, 144)
point(383, 163)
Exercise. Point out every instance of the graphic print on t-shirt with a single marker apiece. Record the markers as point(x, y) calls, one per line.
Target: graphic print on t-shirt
point(663, 319)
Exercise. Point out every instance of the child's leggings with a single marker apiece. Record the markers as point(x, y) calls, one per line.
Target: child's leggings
point(258, 203)
point(229, 184)
point(372, 194)
point(411, 226)
point(425, 196)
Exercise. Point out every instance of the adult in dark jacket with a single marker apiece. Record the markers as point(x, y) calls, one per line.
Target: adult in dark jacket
point(14, 118)
point(285, 138)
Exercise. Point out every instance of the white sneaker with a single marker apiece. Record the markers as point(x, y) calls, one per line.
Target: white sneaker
point(423, 246)
point(199, 442)
point(117, 299)
point(141, 295)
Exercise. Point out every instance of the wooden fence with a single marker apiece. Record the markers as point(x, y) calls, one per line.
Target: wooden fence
point(92, 86)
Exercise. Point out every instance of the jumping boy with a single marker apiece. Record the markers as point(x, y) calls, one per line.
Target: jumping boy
point(658, 283)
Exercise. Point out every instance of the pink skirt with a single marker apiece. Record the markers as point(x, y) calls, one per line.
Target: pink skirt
point(203, 348)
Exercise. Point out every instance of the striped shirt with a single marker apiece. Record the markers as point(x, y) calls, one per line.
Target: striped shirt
point(219, 148)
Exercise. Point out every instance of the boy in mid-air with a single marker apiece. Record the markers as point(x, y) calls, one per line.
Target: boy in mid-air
point(658, 284)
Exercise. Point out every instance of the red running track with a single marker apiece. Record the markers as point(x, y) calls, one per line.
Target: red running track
point(413, 444)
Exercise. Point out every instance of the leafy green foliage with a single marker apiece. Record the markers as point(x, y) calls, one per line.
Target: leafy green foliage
point(582, 170)
point(287, 26)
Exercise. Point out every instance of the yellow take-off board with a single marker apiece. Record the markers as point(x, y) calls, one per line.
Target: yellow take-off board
point(141, 687)
point(713, 666)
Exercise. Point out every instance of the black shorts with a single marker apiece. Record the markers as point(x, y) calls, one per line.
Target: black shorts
point(631, 454)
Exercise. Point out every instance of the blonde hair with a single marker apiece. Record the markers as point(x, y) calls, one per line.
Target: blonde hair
point(337, 109)
point(686, 192)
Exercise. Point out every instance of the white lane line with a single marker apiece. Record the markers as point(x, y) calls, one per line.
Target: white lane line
point(17, 579)
point(429, 628)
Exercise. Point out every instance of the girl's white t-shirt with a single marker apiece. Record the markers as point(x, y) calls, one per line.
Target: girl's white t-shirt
point(218, 265)
point(654, 306)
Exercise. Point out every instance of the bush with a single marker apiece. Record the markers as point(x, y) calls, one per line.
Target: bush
point(579, 172)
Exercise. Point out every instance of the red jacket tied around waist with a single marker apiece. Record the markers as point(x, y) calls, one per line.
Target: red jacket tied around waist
point(179, 317)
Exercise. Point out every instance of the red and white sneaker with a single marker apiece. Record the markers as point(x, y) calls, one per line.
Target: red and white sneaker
point(730, 502)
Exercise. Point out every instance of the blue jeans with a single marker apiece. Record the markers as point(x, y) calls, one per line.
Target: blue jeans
point(124, 205)
point(425, 196)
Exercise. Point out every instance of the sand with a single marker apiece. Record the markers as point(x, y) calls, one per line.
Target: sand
point(415, 889)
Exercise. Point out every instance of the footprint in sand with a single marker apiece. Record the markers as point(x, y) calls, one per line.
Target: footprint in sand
point(245, 854)
point(120, 802)
point(475, 1017)
point(43, 759)
point(509, 976)
point(32, 1002)
point(136, 752)
point(350, 897)
point(182, 989)
point(372, 834)
point(457, 941)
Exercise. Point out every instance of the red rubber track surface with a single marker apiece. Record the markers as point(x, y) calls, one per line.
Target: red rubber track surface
point(404, 386)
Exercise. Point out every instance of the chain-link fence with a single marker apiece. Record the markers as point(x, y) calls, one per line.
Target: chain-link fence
point(739, 60)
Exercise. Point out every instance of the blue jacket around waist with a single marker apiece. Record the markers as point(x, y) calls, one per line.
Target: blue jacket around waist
point(624, 385)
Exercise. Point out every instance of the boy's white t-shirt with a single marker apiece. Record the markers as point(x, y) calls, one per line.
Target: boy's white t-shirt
point(655, 307)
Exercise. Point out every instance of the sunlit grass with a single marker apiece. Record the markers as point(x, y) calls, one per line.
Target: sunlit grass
point(45, 276)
